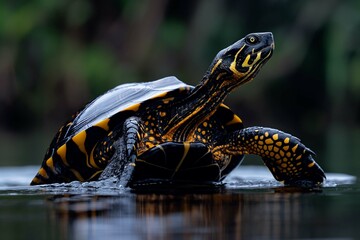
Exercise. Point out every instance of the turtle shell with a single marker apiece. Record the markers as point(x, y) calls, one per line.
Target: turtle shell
point(70, 154)
point(114, 101)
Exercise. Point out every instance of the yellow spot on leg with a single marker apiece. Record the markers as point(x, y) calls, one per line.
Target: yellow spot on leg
point(293, 149)
point(275, 137)
point(282, 154)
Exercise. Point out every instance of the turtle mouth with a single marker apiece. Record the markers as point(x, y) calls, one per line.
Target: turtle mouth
point(267, 52)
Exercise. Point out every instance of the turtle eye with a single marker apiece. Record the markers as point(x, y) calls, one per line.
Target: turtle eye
point(252, 39)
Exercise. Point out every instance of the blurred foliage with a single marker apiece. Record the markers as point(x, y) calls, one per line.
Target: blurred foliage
point(57, 55)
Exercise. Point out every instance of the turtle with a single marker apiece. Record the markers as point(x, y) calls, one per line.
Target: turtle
point(169, 131)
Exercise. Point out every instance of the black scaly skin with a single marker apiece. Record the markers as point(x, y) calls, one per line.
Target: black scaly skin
point(286, 157)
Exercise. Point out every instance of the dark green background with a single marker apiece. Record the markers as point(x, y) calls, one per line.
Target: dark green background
point(57, 55)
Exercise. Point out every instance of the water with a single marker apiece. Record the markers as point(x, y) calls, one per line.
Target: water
point(251, 206)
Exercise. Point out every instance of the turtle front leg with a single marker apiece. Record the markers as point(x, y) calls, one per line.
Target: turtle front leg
point(122, 163)
point(286, 157)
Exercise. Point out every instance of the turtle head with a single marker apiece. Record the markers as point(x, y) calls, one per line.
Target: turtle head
point(240, 62)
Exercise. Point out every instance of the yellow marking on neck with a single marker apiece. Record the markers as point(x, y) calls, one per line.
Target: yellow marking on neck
point(171, 131)
point(104, 124)
point(311, 164)
point(62, 153)
point(218, 77)
point(216, 65)
point(186, 150)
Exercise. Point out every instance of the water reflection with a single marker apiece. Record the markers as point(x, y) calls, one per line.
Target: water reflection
point(190, 216)
point(251, 206)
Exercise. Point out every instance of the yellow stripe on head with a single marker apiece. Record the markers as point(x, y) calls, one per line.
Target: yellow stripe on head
point(247, 59)
point(233, 64)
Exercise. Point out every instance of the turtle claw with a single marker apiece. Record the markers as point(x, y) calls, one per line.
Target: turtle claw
point(304, 173)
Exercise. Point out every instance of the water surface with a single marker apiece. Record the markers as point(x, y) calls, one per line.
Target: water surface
point(252, 205)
